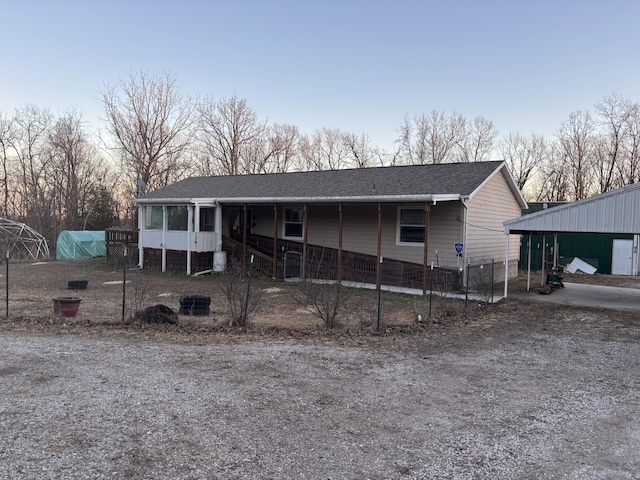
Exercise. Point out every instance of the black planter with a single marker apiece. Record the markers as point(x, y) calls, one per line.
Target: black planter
point(77, 284)
point(195, 305)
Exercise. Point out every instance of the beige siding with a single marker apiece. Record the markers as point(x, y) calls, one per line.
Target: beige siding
point(487, 211)
point(489, 208)
point(360, 229)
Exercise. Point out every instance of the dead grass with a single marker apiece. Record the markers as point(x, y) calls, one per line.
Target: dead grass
point(32, 286)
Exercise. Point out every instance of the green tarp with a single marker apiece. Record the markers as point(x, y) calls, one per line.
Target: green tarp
point(82, 244)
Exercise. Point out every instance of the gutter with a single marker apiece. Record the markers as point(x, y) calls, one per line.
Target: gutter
point(290, 200)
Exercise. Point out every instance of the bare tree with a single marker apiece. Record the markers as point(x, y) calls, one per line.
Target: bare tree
point(152, 124)
point(524, 156)
point(362, 153)
point(630, 167)
point(576, 137)
point(6, 139)
point(613, 115)
point(553, 183)
point(324, 150)
point(476, 140)
point(432, 138)
point(77, 171)
point(275, 151)
point(30, 186)
point(229, 130)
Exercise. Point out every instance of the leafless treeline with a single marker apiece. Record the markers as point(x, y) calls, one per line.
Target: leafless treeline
point(57, 174)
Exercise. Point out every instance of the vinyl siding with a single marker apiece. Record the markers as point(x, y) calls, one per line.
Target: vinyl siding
point(360, 229)
point(487, 211)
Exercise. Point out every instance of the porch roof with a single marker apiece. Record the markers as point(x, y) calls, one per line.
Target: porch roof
point(441, 182)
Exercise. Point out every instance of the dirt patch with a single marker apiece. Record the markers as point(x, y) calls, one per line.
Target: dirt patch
point(511, 390)
point(33, 285)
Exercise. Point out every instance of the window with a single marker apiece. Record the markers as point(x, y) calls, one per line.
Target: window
point(153, 217)
point(293, 222)
point(207, 219)
point(410, 226)
point(177, 218)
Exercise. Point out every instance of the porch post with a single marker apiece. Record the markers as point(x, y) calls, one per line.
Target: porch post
point(529, 264)
point(542, 268)
point(506, 270)
point(340, 224)
point(164, 238)
point(244, 237)
point(378, 263)
point(141, 221)
point(218, 228)
point(304, 242)
point(425, 253)
point(275, 241)
point(189, 233)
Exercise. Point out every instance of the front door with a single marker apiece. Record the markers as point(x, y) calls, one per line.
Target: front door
point(622, 255)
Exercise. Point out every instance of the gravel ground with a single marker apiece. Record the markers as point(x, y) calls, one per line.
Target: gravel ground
point(502, 396)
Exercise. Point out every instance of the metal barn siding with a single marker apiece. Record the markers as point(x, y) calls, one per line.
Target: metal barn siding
point(617, 211)
point(593, 248)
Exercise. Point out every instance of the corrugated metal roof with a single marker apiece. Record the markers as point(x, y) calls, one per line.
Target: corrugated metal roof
point(452, 179)
point(617, 211)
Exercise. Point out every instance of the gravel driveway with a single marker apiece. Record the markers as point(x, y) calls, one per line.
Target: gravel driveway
point(500, 397)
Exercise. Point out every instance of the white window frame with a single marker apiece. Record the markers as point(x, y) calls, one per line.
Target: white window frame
point(201, 210)
point(167, 214)
point(148, 217)
point(399, 227)
point(284, 222)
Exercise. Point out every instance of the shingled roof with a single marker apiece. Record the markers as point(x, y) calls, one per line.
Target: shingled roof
point(442, 182)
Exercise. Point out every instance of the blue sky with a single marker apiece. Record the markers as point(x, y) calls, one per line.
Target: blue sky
point(357, 65)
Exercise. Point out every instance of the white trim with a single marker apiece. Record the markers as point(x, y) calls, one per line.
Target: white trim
point(448, 197)
point(408, 244)
point(283, 222)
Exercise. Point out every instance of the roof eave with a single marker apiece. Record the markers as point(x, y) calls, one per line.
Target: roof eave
point(290, 200)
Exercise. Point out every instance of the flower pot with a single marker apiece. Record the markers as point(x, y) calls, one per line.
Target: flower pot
point(66, 306)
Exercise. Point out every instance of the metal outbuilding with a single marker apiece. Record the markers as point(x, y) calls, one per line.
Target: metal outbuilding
point(617, 211)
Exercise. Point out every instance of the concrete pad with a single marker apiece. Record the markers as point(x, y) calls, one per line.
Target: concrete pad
point(580, 295)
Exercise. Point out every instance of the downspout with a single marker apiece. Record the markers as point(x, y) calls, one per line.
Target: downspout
point(465, 217)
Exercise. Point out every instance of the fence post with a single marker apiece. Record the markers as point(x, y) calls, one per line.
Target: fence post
point(430, 288)
point(246, 300)
point(493, 261)
point(466, 290)
point(378, 324)
point(124, 281)
point(7, 283)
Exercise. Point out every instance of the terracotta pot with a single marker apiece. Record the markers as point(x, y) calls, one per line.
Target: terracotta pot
point(66, 306)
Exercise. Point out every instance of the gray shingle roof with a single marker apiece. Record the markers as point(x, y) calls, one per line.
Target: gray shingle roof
point(442, 179)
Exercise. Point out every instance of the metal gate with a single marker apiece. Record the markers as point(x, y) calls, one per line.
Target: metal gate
point(293, 265)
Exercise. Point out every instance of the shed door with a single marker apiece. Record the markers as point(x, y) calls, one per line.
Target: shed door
point(621, 262)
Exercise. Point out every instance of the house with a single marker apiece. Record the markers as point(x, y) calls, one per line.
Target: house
point(396, 225)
